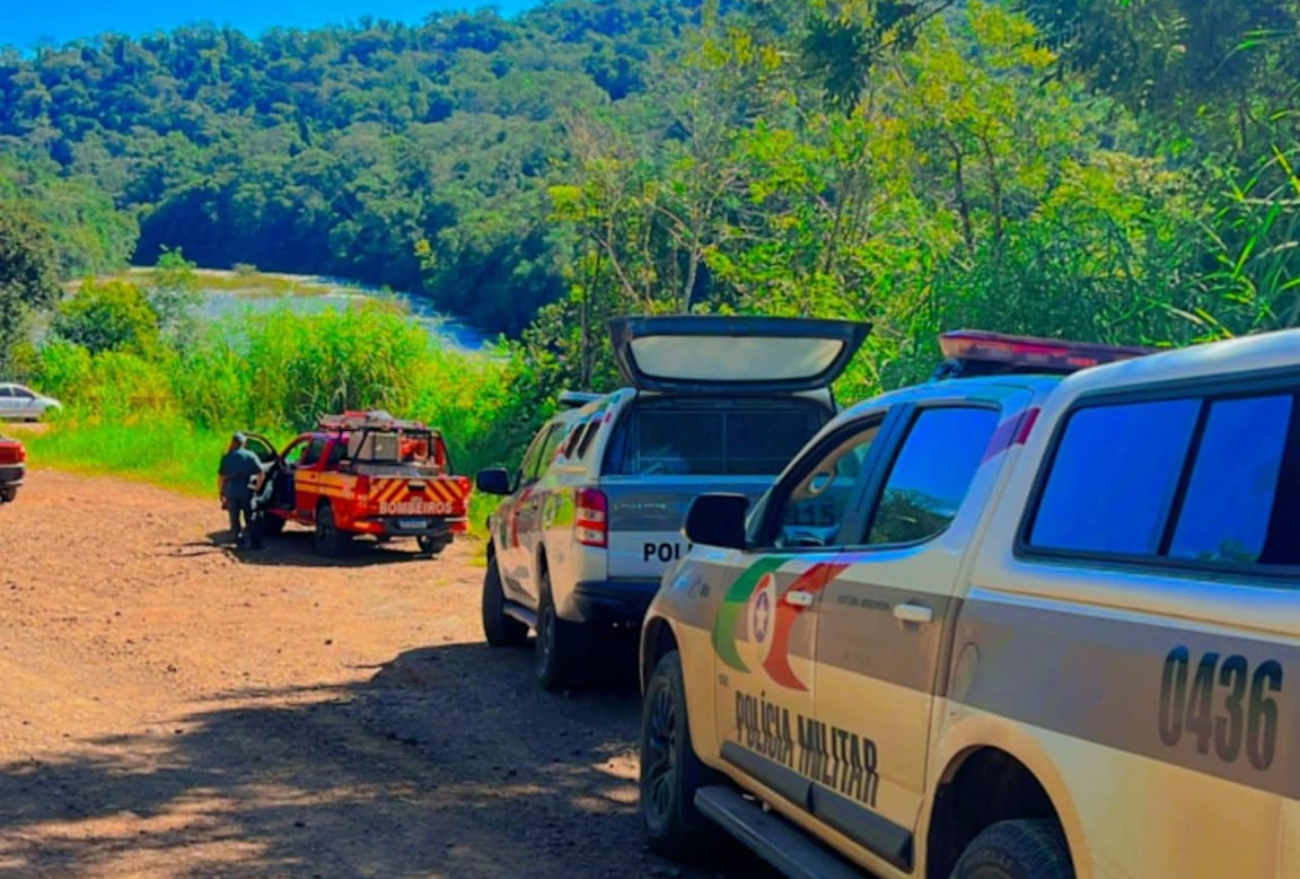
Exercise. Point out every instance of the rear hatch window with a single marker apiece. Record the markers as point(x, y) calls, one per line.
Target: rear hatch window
point(683, 437)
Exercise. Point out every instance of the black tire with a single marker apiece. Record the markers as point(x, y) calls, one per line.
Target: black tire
point(7, 495)
point(670, 771)
point(1016, 850)
point(328, 541)
point(499, 629)
point(556, 646)
point(432, 545)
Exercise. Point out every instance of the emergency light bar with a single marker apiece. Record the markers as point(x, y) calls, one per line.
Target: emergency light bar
point(973, 352)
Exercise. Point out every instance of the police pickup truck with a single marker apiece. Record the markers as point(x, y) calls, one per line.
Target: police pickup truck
point(1051, 630)
point(592, 515)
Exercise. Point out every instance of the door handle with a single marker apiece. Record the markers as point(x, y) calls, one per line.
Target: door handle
point(914, 613)
point(799, 598)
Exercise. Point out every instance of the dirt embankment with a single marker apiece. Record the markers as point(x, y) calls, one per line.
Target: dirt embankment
point(169, 709)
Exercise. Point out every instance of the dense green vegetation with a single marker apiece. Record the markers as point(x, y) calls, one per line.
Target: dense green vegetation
point(416, 157)
point(1117, 170)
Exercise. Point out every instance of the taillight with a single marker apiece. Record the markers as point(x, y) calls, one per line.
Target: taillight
point(591, 519)
point(22, 455)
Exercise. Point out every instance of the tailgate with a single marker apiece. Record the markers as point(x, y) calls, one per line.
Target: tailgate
point(407, 496)
point(645, 518)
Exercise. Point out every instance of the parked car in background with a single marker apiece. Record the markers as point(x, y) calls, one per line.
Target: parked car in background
point(21, 403)
point(13, 467)
point(592, 515)
point(1051, 629)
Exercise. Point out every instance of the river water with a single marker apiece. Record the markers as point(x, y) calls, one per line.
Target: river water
point(338, 296)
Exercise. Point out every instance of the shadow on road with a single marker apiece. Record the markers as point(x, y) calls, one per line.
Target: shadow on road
point(295, 548)
point(447, 762)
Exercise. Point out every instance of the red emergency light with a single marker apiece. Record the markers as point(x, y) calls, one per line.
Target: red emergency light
point(1031, 354)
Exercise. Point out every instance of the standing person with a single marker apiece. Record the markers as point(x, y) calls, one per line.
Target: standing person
point(238, 468)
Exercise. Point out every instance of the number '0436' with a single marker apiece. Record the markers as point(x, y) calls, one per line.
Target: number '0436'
point(1223, 704)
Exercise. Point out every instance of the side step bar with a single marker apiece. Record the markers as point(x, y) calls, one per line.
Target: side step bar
point(521, 613)
point(772, 838)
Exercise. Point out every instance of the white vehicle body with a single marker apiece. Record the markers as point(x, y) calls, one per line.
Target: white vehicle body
point(593, 514)
point(1090, 641)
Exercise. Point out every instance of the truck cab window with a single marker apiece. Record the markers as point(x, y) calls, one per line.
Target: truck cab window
point(931, 474)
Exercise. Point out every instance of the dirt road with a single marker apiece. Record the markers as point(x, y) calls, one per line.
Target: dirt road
point(170, 709)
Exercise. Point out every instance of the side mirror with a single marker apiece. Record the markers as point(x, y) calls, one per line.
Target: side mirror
point(493, 480)
point(717, 520)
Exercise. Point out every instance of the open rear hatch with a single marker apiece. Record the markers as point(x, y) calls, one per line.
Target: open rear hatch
point(722, 354)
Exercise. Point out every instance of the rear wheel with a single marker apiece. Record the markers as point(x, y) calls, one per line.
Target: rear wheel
point(670, 771)
point(329, 541)
point(499, 629)
point(556, 645)
point(1016, 850)
point(431, 545)
point(7, 495)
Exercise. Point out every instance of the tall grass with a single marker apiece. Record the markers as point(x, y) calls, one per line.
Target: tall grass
point(166, 418)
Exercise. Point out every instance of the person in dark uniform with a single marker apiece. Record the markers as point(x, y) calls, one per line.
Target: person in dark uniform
point(238, 468)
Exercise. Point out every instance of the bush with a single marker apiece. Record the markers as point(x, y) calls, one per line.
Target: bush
point(108, 316)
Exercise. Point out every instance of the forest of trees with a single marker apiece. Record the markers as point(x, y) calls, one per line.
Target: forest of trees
point(1121, 170)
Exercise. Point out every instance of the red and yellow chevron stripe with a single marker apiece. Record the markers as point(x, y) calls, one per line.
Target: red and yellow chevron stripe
point(390, 491)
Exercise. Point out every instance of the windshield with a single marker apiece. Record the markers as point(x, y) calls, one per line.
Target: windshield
point(712, 438)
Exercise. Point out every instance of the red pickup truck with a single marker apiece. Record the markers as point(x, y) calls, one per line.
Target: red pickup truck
point(13, 466)
point(364, 473)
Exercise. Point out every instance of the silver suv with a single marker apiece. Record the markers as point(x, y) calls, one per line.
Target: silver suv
point(592, 515)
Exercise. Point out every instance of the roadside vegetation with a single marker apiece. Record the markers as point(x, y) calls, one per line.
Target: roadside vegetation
point(1114, 171)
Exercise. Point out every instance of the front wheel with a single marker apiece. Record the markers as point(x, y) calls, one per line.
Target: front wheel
point(500, 629)
point(431, 545)
point(329, 540)
point(670, 771)
point(1016, 850)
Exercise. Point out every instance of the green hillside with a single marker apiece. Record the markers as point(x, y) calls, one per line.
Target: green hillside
point(1117, 170)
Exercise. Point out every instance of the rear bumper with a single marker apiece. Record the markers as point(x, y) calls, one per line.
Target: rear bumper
point(403, 526)
point(11, 475)
point(612, 602)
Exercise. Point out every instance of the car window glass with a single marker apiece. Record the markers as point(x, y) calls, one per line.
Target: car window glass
point(678, 438)
point(336, 454)
point(23, 393)
point(530, 456)
point(931, 474)
point(531, 465)
point(552, 447)
point(5, 392)
point(311, 454)
point(1114, 476)
point(588, 434)
point(818, 501)
point(1234, 482)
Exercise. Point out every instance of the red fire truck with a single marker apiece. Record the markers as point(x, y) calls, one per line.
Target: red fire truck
point(364, 473)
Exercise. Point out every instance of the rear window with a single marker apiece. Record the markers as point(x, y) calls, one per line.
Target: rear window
point(712, 438)
point(1197, 480)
